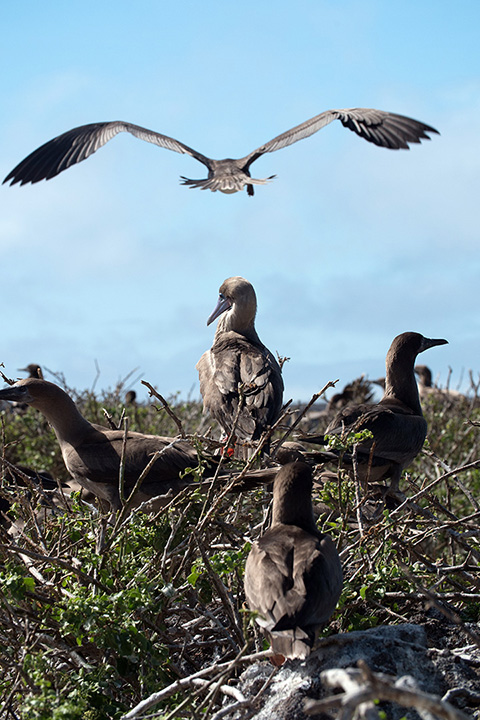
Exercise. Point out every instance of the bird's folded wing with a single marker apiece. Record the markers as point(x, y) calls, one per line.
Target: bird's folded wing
point(398, 434)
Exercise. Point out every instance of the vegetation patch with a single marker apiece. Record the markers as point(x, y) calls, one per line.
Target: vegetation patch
point(97, 616)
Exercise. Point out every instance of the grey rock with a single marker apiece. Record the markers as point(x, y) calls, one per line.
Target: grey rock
point(436, 655)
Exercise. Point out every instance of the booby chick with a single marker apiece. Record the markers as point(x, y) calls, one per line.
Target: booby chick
point(396, 422)
point(229, 176)
point(293, 575)
point(92, 453)
point(239, 368)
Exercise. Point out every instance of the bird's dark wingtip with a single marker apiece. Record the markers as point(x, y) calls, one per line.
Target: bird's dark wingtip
point(428, 129)
point(13, 179)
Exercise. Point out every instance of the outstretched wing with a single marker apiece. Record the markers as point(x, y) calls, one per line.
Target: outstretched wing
point(78, 144)
point(376, 126)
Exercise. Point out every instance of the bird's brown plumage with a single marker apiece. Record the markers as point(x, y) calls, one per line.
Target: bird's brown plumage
point(239, 368)
point(396, 422)
point(34, 370)
point(293, 575)
point(92, 453)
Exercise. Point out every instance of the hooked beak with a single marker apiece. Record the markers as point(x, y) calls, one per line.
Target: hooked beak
point(222, 305)
point(428, 343)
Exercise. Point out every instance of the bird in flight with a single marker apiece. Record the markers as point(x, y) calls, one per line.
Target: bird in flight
point(229, 175)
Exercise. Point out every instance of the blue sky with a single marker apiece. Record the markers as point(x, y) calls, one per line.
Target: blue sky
point(114, 262)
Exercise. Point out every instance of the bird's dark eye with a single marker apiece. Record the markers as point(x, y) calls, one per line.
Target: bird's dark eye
point(221, 296)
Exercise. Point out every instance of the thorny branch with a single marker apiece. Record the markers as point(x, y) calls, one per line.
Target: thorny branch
point(166, 407)
point(197, 625)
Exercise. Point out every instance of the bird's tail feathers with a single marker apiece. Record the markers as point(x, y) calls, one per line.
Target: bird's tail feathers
point(292, 644)
point(227, 184)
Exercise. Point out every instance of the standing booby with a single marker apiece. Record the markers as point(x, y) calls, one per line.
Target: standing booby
point(239, 368)
point(382, 128)
point(396, 422)
point(92, 453)
point(293, 575)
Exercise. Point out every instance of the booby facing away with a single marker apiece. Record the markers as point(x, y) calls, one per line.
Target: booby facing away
point(396, 422)
point(376, 126)
point(293, 575)
point(92, 453)
point(239, 368)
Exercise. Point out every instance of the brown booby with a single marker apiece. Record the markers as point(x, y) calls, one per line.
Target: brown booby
point(239, 369)
point(357, 391)
point(131, 398)
point(92, 453)
point(293, 575)
point(426, 388)
point(382, 128)
point(424, 377)
point(396, 422)
point(34, 370)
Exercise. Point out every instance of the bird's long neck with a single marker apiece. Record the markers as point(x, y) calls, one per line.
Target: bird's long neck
point(292, 505)
point(65, 418)
point(400, 382)
point(240, 321)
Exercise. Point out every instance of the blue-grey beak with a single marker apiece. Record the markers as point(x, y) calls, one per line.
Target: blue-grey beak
point(222, 305)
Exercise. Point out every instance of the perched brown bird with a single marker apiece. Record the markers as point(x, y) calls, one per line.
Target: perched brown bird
point(293, 575)
point(92, 453)
point(239, 369)
point(396, 422)
point(357, 391)
point(131, 397)
point(424, 376)
point(376, 126)
point(34, 370)
point(427, 389)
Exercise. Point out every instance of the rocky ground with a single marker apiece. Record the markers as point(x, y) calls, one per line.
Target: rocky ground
point(432, 655)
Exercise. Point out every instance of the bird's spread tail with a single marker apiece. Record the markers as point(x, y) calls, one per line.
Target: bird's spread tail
point(226, 184)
